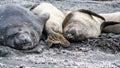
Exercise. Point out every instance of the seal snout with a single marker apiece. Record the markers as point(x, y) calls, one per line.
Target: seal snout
point(23, 40)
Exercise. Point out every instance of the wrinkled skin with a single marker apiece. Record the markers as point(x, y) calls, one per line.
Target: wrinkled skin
point(20, 28)
point(22, 37)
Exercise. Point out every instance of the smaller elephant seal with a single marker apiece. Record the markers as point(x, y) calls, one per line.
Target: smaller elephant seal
point(112, 24)
point(19, 27)
point(81, 24)
point(53, 26)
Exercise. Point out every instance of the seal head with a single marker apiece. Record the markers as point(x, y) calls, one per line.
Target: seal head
point(19, 27)
point(21, 37)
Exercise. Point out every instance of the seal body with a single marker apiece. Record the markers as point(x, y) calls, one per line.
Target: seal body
point(81, 24)
point(20, 28)
point(112, 24)
point(115, 17)
point(115, 28)
point(53, 26)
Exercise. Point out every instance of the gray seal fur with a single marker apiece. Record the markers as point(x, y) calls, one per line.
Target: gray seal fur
point(20, 28)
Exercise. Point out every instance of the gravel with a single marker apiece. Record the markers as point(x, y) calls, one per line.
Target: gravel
point(101, 52)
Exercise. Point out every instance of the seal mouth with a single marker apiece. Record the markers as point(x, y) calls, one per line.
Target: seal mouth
point(21, 45)
point(22, 41)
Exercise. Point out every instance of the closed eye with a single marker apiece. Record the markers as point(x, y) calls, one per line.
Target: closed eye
point(26, 32)
point(12, 35)
point(33, 34)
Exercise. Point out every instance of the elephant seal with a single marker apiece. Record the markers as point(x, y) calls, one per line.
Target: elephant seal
point(19, 27)
point(81, 24)
point(53, 26)
point(112, 24)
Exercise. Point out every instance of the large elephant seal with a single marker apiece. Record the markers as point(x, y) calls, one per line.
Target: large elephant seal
point(53, 26)
point(19, 27)
point(81, 24)
point(112, 24)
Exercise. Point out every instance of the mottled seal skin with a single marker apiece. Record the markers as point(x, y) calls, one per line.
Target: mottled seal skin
point(81, 24)
point(19, 27)
point(112, 24)
point(53, 26)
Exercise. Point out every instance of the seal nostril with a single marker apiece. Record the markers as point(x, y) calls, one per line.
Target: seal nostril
point(27, 41)
point(22, 37)
point(22, 40)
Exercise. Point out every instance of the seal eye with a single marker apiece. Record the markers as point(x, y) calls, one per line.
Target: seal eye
point(19, 29)
point(32, 34)
point(13, 35)
point(26, 32)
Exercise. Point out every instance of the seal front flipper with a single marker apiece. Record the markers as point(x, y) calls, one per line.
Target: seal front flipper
point(63, 41)
point(110, 27)
point(57, 38)
point(108, 23)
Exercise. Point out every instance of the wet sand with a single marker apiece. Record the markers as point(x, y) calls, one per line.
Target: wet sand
point(102, 52)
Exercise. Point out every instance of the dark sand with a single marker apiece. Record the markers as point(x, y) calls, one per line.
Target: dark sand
point(102, 52)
